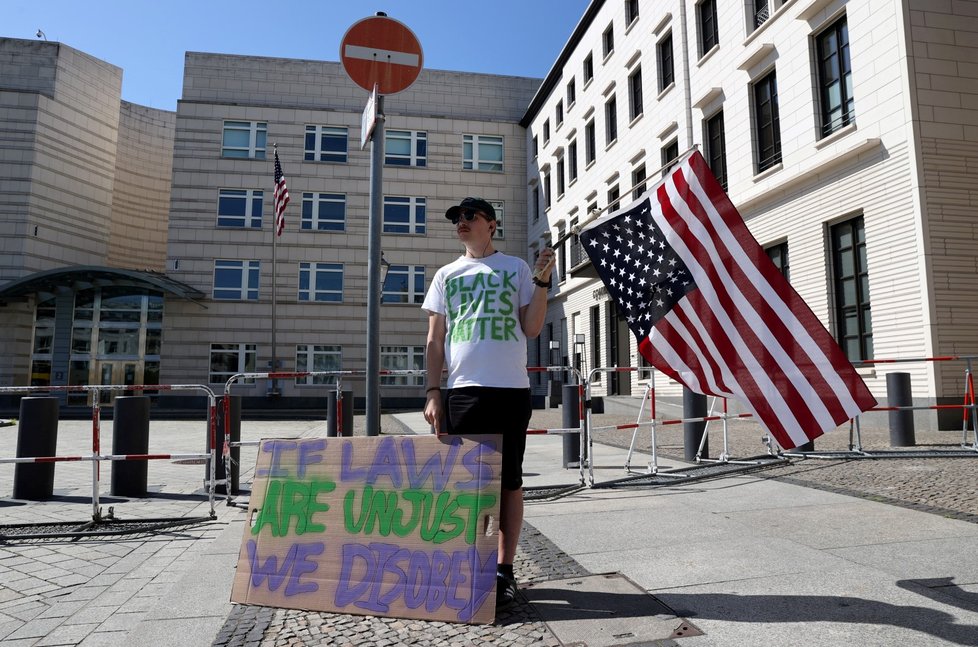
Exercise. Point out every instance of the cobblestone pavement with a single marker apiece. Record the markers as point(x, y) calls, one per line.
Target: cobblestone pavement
point(945, 486)
point(92, 592)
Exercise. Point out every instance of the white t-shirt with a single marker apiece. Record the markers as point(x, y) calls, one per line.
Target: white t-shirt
point(481, 300)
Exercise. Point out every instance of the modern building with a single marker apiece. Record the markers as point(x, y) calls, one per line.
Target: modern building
point(84, 201)
point(449, 135)
point(846, 133)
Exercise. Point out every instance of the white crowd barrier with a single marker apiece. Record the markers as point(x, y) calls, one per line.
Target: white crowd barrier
point(96, 456)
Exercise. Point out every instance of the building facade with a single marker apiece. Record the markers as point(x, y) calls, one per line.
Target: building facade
point(449, 135)
point(844, 132)
point(84, 200)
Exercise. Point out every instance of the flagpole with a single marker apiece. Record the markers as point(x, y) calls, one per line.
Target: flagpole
point(595, 213)
point(274, 366)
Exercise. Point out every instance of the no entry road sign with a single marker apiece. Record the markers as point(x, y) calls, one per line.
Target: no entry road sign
point(383, 52)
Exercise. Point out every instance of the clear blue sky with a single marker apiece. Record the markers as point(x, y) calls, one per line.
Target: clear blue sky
point(148, 38)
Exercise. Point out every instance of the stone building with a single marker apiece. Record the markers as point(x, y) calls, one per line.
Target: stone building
point(84, 201)
point(845, 133)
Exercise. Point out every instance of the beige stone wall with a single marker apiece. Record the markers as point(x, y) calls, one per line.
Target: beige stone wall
point(141, 195)
point(288, 95)
point(943, 45)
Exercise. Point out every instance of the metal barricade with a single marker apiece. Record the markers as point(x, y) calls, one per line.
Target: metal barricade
point(96, 457)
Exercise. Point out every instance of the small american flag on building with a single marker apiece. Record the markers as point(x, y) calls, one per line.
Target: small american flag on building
point(281, 197)
point(710, 309)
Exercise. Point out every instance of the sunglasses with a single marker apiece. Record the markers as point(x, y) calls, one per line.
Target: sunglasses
point(468, 215)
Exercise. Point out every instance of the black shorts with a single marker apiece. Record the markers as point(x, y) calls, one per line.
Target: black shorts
point(491, 410)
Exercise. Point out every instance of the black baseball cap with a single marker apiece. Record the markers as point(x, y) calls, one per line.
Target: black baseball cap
point(477, 204)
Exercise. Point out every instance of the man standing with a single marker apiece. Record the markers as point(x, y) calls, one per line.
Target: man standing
point(481, 309)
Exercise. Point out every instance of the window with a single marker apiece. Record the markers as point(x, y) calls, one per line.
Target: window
point(231, 359)
point(706, 16)
point(236, 280)
point(321, 282)
point(317, 359)
point(611, 121)
point(239, 208)
point(325, 144)
point(613, 195)
point(577, 253)
point(561, 251)
point(404, 284)
point(716, 148)
point(535, 207)
point(596, 340)
point(536, 146)
point(482, 153)
point(500, 209)
point(779, 256)
point(546, 131)
point(635, 94)
point(571, 93)
point(761, 12)
point(402, 358)
point(664, 54)
point(244, 139)
point(835, 77)
point(766, 122)
point(44, 344)
point(559, 114)
point(669, 154)
point(405, 148)
point(851, 282)
point(572, 161)
point(589, 143)
point(323, 212)
point(631, 11)
point(588, 68)
point(404, 215)
point(546, 190)
point(638, 182)
point(560, 177)
point(608, 41)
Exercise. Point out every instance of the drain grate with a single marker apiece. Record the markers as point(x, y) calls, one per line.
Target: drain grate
point(701, 472)
point(77, 530)
point(549, 492)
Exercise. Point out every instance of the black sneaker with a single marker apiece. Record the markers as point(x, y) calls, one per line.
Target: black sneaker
point(505, 591)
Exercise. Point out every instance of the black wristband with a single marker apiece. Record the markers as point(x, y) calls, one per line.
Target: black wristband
point(432, 388)
point(542, 284)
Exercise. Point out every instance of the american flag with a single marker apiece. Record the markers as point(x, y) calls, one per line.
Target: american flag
point(281, 197)
point(710, 309)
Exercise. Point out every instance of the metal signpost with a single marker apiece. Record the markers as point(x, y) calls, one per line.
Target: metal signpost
point(382, 56)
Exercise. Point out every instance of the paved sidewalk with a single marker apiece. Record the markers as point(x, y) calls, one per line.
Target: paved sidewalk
point(747, 559)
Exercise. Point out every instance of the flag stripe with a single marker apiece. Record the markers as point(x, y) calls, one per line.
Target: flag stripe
point(774, 340)
point(281, 197)
point(710, 309)
point(850, 391)
point(685, 322)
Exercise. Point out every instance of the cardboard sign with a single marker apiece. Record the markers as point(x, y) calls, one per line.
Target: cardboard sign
point(403, 526)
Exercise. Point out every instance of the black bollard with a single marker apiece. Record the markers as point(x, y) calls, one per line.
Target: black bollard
point(331, 419)
point(37, 435)
point(571, 416)
point(899, 394)
point(130, 435)
point(220, 473)
point(694, 406)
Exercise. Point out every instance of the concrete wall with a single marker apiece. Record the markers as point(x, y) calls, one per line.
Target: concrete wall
point(141, 196)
